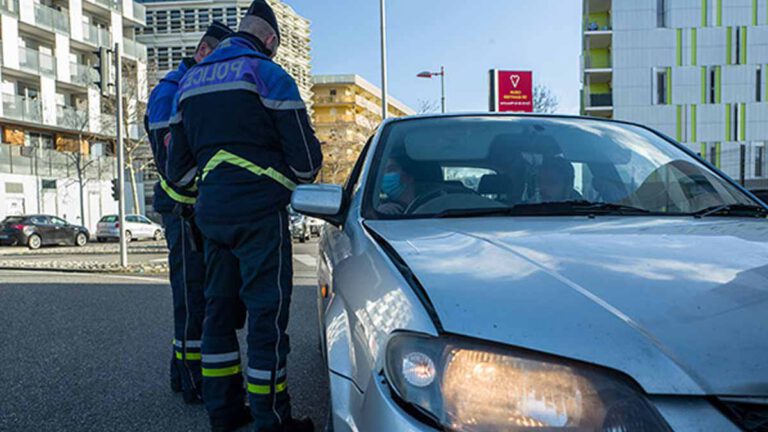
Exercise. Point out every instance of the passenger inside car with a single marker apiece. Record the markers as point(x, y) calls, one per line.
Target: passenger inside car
point(556, 177)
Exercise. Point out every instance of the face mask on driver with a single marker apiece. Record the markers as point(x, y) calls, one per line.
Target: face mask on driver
point(391, 184)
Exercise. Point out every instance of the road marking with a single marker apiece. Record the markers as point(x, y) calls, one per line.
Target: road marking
point(33, 272)
point(159, 260)
point(307, 260)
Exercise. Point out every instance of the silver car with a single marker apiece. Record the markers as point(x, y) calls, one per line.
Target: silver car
point(520, 273)
point(137, 227)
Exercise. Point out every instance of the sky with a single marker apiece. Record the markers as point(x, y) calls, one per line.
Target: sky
point(468, 37)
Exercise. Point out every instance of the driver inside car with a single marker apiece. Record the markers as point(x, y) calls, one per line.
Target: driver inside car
point(399, 187)
point(556, 177)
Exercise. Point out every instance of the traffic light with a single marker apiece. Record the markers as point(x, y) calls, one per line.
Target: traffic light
point(115, 190)
point(104, 69)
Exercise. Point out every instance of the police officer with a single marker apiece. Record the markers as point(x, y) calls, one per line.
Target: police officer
point(242, 127)
point(186, 264)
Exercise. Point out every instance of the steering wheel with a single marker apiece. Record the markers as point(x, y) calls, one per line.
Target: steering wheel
point(426, 197)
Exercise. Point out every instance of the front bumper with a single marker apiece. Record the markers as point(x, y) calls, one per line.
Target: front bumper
point(376, 410)
point(373, 411)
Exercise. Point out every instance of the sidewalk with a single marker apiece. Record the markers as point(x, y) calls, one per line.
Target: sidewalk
point(143, 258)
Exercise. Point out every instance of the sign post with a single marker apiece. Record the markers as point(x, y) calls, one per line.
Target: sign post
point(511, 91)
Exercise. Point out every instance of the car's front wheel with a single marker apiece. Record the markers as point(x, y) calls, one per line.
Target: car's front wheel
point(34, 242)
point(128, 237)
point(158, 235)
point(81, 239)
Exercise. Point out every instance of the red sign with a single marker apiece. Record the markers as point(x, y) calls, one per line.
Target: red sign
point(512, 91)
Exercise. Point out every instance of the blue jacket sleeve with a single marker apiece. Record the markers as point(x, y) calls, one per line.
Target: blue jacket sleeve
point(181, 167)
point(299, 143)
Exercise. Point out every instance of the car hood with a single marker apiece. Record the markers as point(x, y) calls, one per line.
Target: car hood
point(680, 305)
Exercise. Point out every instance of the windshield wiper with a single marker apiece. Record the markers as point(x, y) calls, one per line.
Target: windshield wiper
point(744, 210)
point(562, 208)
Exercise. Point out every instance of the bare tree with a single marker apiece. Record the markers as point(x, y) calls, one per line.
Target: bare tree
point(427, 106)
point(138, 155)
point(544, 101)
point(77, 150)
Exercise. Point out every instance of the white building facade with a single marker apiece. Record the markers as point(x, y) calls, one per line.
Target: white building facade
point(174, 29)
point(694, 69)
point(53, 118)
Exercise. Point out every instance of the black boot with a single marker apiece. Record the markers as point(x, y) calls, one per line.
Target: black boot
point(233, 423)
point(303, 424)
point(192, 397)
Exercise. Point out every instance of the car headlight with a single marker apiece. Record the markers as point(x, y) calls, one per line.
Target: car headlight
point(468, 386)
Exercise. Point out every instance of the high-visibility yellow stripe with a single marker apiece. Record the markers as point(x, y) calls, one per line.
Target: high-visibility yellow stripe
point(224, 156)
point(222, 372)
point(190, 356)
point(266, 389)
point(175, 195)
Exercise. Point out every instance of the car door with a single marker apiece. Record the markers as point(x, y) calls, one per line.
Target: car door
point(45, 229)
point(62, 230)
point(132, 225)
point(148, 226)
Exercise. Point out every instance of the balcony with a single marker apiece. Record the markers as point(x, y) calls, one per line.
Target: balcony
point(139, 12)
point(51, 19)
point(16, 159)
point(82, 74)
point(71, 118)
point(35, 62)
point(96, 36)
point(334, 100)
point(114, 5)
point(107, 126)
point(601, 100)
point(22, 108)
point(134, 49)
point(10, 7)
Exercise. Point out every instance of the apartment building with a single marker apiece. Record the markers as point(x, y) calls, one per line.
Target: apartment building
point(56, 128)
point(693, 69)
point(175, 27)
point(347, 108)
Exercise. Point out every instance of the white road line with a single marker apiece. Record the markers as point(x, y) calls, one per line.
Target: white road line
point(159, 260)
point(32, 272)
point(307, 260)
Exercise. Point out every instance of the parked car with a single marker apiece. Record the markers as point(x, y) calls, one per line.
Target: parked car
point(598, 277)
point(315, 225)
point(299, 227)
point(137, 227)
point(35, 231)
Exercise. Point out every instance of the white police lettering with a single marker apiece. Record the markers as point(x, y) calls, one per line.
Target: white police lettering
point(237, 67)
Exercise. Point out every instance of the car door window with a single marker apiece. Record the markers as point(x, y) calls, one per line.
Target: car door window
point(132, 219)
point(39, 220)
point(353, 182)
point(58, 222)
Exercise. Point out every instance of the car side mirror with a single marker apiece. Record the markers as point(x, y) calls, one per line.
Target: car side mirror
point(319, 201)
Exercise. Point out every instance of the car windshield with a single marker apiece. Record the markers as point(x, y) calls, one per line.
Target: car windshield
point(537, 165)
point(12, 220)
point(109, 219)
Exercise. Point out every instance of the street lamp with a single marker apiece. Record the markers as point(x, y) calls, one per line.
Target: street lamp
point(383, 16)
point(441, 74)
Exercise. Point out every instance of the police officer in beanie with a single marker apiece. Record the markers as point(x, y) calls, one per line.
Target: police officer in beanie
point(187, 273)
point(241, 126)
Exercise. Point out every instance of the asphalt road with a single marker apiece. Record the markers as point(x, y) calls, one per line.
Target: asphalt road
point(90, 353)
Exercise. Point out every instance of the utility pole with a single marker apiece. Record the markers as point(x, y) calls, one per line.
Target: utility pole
point(120, 156)
point(384, 103)
point(442, 86)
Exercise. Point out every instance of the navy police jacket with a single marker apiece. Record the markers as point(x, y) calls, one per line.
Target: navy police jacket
point(241, 127)
point(159, 109)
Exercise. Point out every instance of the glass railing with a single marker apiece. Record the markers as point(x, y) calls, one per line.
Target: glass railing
point(139, 12)
point(597, 62)
point(111, 4)
point(134, 49)
point(22, 108)
point(36, 62)
point(51, 19)
point(17, 159)
point(71, 118)
point(96, 35)
point(10, 7)
point(83, 74)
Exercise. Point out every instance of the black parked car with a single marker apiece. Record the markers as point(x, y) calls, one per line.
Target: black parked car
point(40, 230)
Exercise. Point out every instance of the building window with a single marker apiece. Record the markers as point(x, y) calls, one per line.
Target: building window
point(712, 154)
point(333, 92)
point(202, 18)
point(735, 122)
point(711, 85)
point(662, 91)
point(218, 14)
point(162, 59)
point(760, 160)
point(161, 22)
point(737, 43)
point(39, 140)
point(759, 84)
point(175, 21)
point(232, 20)
point(189, 20)
point(661, 13)
point(177, 53)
